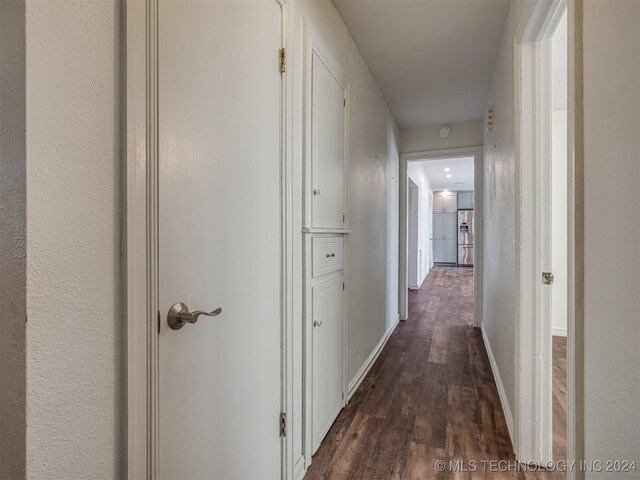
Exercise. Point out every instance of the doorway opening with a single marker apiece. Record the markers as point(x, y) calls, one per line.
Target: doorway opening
point(440, 219)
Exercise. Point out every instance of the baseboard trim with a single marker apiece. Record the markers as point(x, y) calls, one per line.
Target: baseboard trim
point(414, 287)
point(559, 332)
point(501, 391)
point(299, 469)
point(366, 366)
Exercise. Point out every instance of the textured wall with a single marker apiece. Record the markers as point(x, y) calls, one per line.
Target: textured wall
point(12, 241)
point(464, 134)
point(499, 273)
point(74, 328)
point(612, 232)
point(373, 189)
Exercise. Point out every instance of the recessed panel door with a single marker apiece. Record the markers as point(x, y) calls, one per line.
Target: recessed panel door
point(327, 356)
point(327, 148)
point(219, 135)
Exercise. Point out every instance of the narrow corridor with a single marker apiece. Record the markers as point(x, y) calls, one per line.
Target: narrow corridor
point(430, 396)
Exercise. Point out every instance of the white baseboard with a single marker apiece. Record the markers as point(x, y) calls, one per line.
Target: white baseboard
point(299, 469)
point(414, 287)
point(501, 392)
point(366, 366)
point(559, 332)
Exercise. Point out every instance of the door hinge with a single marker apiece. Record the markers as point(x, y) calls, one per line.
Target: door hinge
point(344, 102)
point(343, 285)
point(547, 278)
point(283, 424)
point(343, 218)
point(283, 61)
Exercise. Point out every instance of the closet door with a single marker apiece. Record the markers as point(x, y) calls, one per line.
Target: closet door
point(327, 356)
point(327, 147)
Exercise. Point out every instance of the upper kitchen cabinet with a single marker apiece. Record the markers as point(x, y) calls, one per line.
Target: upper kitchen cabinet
point(326, 142)
point(445, 202)
point(465, 200)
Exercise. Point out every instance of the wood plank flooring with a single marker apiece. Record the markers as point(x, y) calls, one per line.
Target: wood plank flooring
point(559, 361)
point(430, 396)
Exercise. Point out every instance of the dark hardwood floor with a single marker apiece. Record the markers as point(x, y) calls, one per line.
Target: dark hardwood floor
point(430, 396)
point(559, 360)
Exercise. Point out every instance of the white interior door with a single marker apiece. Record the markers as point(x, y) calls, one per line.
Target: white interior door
point(327, 146)
point(219, 226)
point(327, 356)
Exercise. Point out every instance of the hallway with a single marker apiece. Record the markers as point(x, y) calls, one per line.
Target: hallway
point(429, 396)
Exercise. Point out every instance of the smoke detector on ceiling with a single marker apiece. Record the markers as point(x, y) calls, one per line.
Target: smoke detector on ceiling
point(445, 131)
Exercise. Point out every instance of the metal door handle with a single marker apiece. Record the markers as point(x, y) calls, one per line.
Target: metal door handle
point(331, 255)
point(317, 323)
point(179, 315)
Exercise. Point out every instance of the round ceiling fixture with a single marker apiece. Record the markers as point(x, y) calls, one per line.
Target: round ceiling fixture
point(445, 131)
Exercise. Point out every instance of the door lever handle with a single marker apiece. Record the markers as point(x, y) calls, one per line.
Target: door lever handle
point(179, 315)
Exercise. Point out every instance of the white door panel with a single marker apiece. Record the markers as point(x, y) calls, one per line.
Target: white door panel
point(327, 144)
point(327, 356)
point(219, 136)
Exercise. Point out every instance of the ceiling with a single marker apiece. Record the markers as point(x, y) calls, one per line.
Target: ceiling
point(432, 59)
point(461, 170)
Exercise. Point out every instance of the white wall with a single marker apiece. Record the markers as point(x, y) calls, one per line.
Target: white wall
point(417, 173)
point(372, 266)
point(74, 327)
point(464, 134)
point(612, 232)
point(499, 238)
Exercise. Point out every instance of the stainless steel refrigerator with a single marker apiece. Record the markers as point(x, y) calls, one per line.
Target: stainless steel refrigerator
point(465, 238)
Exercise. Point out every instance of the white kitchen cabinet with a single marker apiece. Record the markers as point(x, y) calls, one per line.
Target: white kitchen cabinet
point(438, 202)
point(450, 237)
point(450, 202)
point(444, 235)
point(445, 202)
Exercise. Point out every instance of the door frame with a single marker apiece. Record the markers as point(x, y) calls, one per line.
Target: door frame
point(533, 419)
point(140, 239)
point(403, 284)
